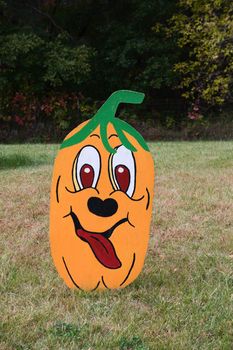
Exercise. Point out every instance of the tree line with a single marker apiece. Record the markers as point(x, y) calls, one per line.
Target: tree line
point(60, 59)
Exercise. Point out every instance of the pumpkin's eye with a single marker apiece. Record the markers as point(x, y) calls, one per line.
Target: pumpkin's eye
point(122, 169)
point(87, 174)
point(86, 168)
point(122, 176)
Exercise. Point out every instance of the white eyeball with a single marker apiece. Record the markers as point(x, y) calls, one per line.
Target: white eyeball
point(123, 169)
point(86, 169)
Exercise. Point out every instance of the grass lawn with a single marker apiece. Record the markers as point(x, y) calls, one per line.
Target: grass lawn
point(183, 299)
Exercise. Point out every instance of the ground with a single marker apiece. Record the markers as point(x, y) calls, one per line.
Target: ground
point(182, 299)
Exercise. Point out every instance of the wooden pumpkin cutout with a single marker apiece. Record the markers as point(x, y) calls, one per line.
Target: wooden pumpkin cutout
point(101, 200)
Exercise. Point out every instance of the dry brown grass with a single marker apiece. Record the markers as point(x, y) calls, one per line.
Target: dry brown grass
point(182, 299)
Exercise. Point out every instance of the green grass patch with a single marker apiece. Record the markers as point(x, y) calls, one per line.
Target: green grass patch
point(183, 299)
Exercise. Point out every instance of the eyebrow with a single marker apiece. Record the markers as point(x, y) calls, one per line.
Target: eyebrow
point(95, 135)
point(112, 136)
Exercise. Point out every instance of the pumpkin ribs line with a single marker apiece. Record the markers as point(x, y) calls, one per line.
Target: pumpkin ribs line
point(57, 185)
point(76, 285)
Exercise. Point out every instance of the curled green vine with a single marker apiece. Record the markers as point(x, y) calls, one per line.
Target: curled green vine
point(106, 115)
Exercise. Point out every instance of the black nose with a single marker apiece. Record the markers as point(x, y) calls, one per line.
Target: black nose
point(105, 208)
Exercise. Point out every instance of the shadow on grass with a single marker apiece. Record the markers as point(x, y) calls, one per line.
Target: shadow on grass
point(13, 161)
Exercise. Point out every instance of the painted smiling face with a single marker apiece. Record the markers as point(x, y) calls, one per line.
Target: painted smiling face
point(101, 202)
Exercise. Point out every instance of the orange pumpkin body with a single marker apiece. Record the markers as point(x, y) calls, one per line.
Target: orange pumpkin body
point(101, 207)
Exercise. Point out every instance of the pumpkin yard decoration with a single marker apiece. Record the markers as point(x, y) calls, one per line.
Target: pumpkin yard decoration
point(101, 200)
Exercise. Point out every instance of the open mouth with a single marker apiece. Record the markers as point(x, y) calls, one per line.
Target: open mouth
point(99, 243)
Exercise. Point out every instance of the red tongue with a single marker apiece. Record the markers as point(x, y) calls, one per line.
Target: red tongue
point(102, 248)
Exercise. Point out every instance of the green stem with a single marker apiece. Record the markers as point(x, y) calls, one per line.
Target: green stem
point(123, 138)
point(108, 110)
point(104, 137)
point(130, 130)
point(80, 135)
